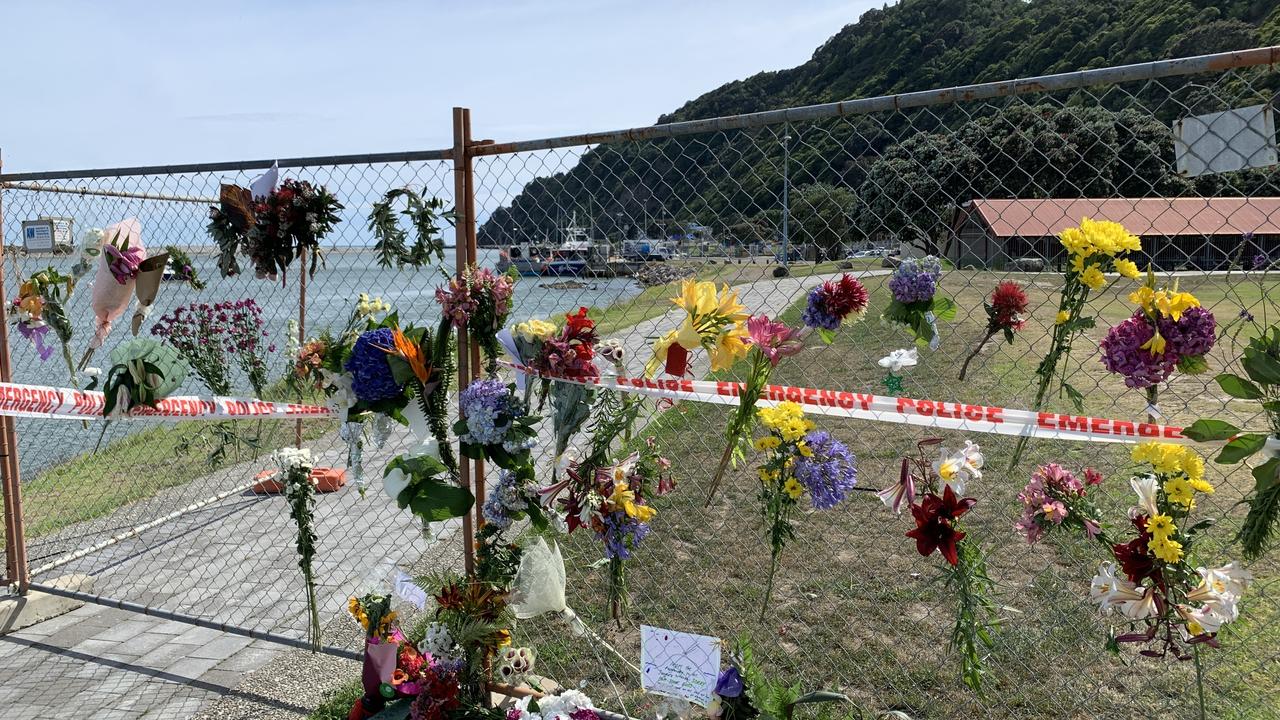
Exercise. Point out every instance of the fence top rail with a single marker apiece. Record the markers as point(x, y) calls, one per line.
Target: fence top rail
point(863, 106)
point(233, 166)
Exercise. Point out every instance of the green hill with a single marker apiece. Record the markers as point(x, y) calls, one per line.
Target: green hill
point(732, 180)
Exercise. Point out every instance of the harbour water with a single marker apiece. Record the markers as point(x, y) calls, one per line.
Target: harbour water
point(330, 296)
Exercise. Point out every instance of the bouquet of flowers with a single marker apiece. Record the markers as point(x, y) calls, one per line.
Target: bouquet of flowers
point(473, 621)
point(381, 647)
point(1056, 498)
point(743, 692)
point(514, 498)
point(834, 303)
point(527, 340)
point(914, 285)
point(1168, 331)
point(292, 219)
point(569, 354)
point(714, 322)
point(770, 341)
point(299, 492)
point(40, 308)
point(1261, 385)
point(798, 460)
point(937, 516)
point(143, 372)
point(565, 705)
point(479, 300)
point(392, 246)
point(1095, 247)
point(184, 270)
point(213, 336)
point(495, 424)
point(1005, 314)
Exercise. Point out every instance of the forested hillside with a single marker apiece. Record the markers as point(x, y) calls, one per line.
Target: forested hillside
point(861, 170)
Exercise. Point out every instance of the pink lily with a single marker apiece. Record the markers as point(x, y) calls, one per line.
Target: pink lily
point(774, 338)
point(902, 491)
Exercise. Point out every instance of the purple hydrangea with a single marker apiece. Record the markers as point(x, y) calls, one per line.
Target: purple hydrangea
point(1123, 354)
point(621, 534)
point(816, 315)
point(1192, 335)
point(506, 501)
point(489, 409)
point(371, 377)
point(830, 474)
point(916, 279)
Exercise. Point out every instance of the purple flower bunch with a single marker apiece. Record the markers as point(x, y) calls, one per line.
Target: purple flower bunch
point(1053, 496)
point(829, 472)
point(508, 501)
point(1127, 348)
point(490, 411)
point(916, 280)
point(206, 334)
point(620, 534)
point(371, 377)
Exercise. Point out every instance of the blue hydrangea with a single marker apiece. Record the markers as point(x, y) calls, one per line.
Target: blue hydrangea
point(505, 501)
point(916, 279)
point(830, 474)
point(489, 410)
point(371, 378)
point(816, 316)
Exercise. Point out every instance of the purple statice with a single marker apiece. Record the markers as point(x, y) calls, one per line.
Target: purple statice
point(371, 377)
point(621, 534)
point(916, 280)
point(1123, 354)
point(830, 473)
point(1192, 335)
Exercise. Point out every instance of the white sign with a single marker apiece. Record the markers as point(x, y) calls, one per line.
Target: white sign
point(408, 591)
point(679, 664)
point(37, 236)
point(1225, 141)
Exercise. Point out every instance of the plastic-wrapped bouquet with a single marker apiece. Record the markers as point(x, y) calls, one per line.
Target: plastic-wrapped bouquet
point(40, 308)
point(1169, 330)
point(569, 353)
point(143, 372)
point(942, 484)
point(915, 304)
point(715, 322)
point(495, 424)
point(1006, 313)
point(1093, 248)
point(799, 460)
point(834, 303)
point(479, 301)
point(770, 341)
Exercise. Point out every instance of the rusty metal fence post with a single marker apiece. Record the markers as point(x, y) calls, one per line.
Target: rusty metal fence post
point(464, 254)
point(15, 543)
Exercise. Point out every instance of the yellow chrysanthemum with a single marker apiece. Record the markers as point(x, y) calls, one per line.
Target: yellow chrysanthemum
point(1062, 317)
point(768, 442)
point(1180, 492)
point(804, 449)
point(1167, 550)
point(1092, 278)
point(1201, 485)
point(1128, 268)
point(1161, 526)
point(793, 488)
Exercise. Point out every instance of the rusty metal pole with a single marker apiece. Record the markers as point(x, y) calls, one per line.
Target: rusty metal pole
point(479, 467)
point(302, 328)
point(461, 183)
point(15, 541)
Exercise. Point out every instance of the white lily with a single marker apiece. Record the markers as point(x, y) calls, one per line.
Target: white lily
point(1146, 487)
point(958, 467)
point(1210, 617)
point(898, 359)
point(1142, 608)
point(1109, 590)
point(1229, 579)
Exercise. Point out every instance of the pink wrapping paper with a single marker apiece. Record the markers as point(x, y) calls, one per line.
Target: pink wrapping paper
point(110, 298)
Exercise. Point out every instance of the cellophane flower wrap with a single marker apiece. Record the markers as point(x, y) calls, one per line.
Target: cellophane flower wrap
point(714, 321)
point(1165, 603)
point(940, 487)
point(529, 337)
point(1093, 248)
point(1006, 313)
point(479, 301)
point(834, 303)
point(40, 309)
point(495, 424)
point(799, 460)
point(770, 341)
point(1168, 331)
point(569, 354)
point(916, 304)
point(292, 219)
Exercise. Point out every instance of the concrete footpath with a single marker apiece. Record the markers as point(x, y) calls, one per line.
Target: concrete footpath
point(103, 663)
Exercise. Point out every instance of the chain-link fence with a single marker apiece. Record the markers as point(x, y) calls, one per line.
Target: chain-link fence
point(983, 176)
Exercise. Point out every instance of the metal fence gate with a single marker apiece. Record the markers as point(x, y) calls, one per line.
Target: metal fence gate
point(856, 609)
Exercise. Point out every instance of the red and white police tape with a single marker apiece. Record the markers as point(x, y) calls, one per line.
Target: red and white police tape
point(37, 401)
point(902, 411)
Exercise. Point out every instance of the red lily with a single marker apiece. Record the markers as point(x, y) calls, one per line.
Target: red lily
point(935, 529)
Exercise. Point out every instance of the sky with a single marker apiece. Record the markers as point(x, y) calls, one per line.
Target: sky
point(108, 84)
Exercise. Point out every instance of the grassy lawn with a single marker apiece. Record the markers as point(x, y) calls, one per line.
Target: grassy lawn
point(857, 610)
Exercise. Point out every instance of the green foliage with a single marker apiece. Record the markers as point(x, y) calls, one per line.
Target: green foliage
point(972, 588)
point(392, 246)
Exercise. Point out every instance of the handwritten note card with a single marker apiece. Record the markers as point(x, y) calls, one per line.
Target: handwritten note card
point(679, 664)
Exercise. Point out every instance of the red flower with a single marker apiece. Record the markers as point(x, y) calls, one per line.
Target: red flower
point(1134, 556)
point(844, 296)
point(935, 528)
point(1008, 303)
point(1092, 477)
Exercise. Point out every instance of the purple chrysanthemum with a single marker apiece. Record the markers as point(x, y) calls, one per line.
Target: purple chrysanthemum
point(371, 377)
point(830, 473)
point(1192, 335)
point(1123, 354)
point(916, 279)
